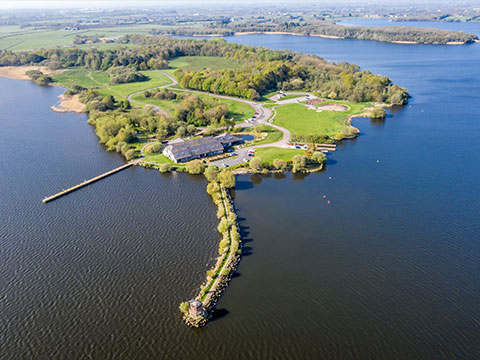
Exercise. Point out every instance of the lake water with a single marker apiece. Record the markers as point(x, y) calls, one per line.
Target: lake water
point(388, 270)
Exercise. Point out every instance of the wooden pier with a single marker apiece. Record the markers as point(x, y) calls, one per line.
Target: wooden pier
point(86, 182)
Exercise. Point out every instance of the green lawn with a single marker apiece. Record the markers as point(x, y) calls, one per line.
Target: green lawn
point(273, 135)
point(197, 63)
point(159, 159)
point(269, 154)
point(302, 121)
point(237, 109)
point(291, 96)
point(99, 80)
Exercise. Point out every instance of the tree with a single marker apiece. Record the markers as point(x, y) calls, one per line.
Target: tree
point(164, 168)
point(212, 188)
point(130, 154)
point(181, 131)
point(184, 306)
point(120, 144)
point(226, 178)
point(191, 129)
point(109, 102)
point(299, 162)
point(195, 167)
point(378, 113)
point(279, 164)
point(153, 148)
point(223, 226)
point(256, 163)
point(311, 148)
point(211, 173)
point(259, 128)
point(220, 212)
point(319, 157)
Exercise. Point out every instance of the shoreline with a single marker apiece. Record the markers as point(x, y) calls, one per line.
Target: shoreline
point(69, 103)
point(403, 42)
point(19, 72)
point(226, 264)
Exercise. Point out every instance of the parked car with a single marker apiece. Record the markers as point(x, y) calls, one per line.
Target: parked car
point(225, 165)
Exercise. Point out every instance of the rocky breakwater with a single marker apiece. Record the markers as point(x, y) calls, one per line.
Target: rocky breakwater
point(198, 311)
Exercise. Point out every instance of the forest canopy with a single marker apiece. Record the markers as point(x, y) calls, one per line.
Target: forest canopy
point(262, 71)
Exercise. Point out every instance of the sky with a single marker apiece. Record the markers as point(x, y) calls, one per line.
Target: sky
point(169, 3)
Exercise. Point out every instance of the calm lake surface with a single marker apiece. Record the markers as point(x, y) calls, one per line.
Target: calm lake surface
point(389, 270)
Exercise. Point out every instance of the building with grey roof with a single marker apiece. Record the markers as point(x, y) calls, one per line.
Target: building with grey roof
point(228, 139)
point(193, 149)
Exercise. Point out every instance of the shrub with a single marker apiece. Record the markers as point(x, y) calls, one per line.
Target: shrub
point(184, 306)
point(164, 168)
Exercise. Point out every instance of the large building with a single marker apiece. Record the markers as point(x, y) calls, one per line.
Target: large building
point(182, 151)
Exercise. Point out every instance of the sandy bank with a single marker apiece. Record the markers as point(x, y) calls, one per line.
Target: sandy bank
point(69, 103)
point(405, 42)
point(19, 72)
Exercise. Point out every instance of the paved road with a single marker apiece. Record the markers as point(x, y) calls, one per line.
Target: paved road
point(158, 109)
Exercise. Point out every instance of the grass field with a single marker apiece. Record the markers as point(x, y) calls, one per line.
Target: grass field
point(237, 109)
point(302, 121)
point(15, 38)
point(269, 154)
point(99, 80)
point(291, 96)
point(273, 135)
point(197, 63)
point(159, 159)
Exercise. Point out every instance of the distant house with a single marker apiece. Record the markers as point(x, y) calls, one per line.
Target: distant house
point(193, 149)
point(228, 140)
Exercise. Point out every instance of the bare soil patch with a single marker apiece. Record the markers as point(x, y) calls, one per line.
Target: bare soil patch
point(69, 103)
point(312, 102)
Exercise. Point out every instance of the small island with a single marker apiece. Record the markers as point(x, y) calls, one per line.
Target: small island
point(214, 108)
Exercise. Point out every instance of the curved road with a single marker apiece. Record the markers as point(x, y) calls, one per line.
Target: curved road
point(158, 109)
point(263, 116)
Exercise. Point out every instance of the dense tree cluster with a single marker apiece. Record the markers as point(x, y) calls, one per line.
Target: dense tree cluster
point(262, 70)
point(123, 75)
point(161, 94)
point(39, 77)
point(325, 28)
